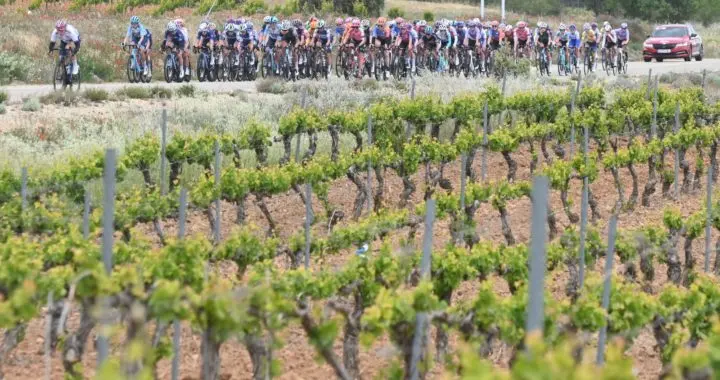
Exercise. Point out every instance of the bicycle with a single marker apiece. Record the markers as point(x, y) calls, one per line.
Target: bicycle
point(574, 67)
point(543, 62)
point(589, 59)
point(562, 65)
point(172, 67)
point(205, 70)
point(287, 65)
point(135, 71)
point(320, 62)
point(267, 64)
point(608, 58)
point(622, 59)
point(400, 65)
point(340, 62)
point(62, 75)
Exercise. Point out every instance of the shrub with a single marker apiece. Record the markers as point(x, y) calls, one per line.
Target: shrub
point(2, 109)
point(3, 96)
point(395, 12)
point(161, 92)
point(365, 85)
point(252, 7)
point(96, 95)
point(359, 9)
point(271, 86)
point(240, 94)
point(428, 16)
point(186, 90)
point(31, 105)
point(92, 69)
point(13, 67)
point(65, 98)
point(134, 93)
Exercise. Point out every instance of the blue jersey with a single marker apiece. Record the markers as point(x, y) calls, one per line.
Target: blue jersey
point(176, 37)
point(230, 37)
point(206, 36)
point(494, 34)
point(273, 33)
point(322, 34)
point(135, 34)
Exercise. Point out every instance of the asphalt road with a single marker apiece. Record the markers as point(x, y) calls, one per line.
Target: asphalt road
point(17, 93)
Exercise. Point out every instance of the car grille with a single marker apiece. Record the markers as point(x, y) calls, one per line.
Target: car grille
point(664, 46)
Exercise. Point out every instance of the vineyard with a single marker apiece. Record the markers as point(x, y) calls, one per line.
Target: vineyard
point(242, 263)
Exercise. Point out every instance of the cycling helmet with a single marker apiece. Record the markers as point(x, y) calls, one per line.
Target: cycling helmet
point(476, 21)
point(230, 27)
point(542, 25)
point(539, 24)
point(508, 28)
point(212, 26)
point(606, 23)
point(339, 21)
point(494, 24)
point(624, 25)
point(172, 26)
point(60, 24)
point(180, 22)
point(438, 23)
point(249, 25)
point(241, 20)
point(391, 23)
point(203, 26)
point(297, 23)
point(460, 24)
point(399, 20)
point(274, 20)
point(243, 28)
point(422, 23)
point(428, 29)
point(442, 28)
point(573, 27)
point(561, 27)
point(355, 23)
point(134, 20)
point(415, 22)
point(521, 24)
point(267, 19)
point(608, 28)
point(593, 25)
point(586, 26)
point(286, 25)
point(446, 22)
point(321, 24)
point(365, 23)
point(348, 20)
point(381, 21)
point(408, 26)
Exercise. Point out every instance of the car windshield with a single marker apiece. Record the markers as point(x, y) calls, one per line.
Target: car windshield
point(670, 32)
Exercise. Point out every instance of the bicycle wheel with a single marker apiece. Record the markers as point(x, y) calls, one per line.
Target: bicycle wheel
point(168, 69)
point(130, 70)
point(59, 75)
point(147, 78)
point(339, 63)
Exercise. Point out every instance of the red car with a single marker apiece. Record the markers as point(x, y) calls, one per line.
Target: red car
point(673, 41)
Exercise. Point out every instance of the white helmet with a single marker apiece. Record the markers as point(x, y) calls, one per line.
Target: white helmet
point(203, 26)
point(229, 27)
point(608, 27)
point(171, 26)
point(561, 27)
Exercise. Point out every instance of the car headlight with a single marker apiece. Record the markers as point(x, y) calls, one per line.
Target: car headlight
point(648, 46)
point(682, 44)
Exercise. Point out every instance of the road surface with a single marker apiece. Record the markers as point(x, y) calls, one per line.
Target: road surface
point(17, 93)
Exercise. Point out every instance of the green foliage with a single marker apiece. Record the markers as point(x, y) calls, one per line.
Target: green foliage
point(186, 91)
point(13, 67)
point(134, 92)
point(31, 105)
point(161, 92)
point(395, 13)
point(96, 95)
point(428, 16)
point(3, 96)
point(271, 86)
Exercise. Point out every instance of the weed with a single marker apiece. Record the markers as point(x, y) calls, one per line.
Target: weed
point(65, 98)
point(3, 96)
point(186, 90)
point(96, 95)
point(366, 84)
point(134, 93)
point(13, 67)
point(271, 86)
point(161, 92)
point(31, 105)
point(2, 109)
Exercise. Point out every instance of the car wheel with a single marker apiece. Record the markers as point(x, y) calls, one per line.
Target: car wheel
point(659, 59)
point(647, 59)
point(687, 59)
point(699, 57)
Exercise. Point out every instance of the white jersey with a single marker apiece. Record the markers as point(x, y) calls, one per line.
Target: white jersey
point(185, 33)
point(70, 35)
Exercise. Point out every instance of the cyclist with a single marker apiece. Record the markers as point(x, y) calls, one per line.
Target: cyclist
point(609, 42)
point(205, 40)
point(69, 37)
point(405, 40)
point(381, 38)
point(461, 31)
point(310, 27)
point(248, 41)
point(339, 30)
point(175, 39)
point(521, 36)
point(429, 42)
point(494, 35)
point(475, 38)
point(355, 37)
point(444, 40)
point(543, 40)
point(142, 38)
point(271, 34)
point(509, 36)
point(229, 39)
point(574, 41)
point(623, 38)
point(561, 39)
point(289, 39)
point(452, 31)
point(589, 40)
point(185, 50)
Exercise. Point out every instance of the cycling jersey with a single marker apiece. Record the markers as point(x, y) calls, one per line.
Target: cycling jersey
point(461, 34)
point(339, 32)
point(475, 34)
point(205, 37)
point(247, 38)
point(609, 39)
point(381, 33)
point(177, 38)
point(452, 32)
point(543, 38)
point(429, 40)
point(289, 36)
point(522, 34)
point(230, 37)
point(70, 35)
point(494, 35)
point(322, 35)
point(443, 38)
point(622, 34)
point(355, 36)
point(589, 36)
point(272, 32)
point(574, 39)
point(135, 34)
